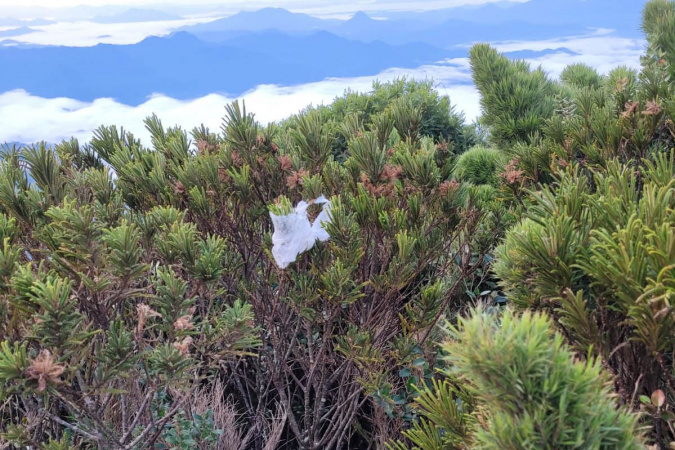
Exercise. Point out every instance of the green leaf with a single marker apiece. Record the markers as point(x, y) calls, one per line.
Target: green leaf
point(404, 373)
point(419, 362)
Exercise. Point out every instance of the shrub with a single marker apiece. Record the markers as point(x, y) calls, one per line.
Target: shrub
point(597, 194)
point(515, 100)
point(600, 261)
point(581, 76)
point(658, 23)
point(533, 390)
point(133, 277)
point(595, 246)
point(479, 165)
point(513, 383)
point(436, 117)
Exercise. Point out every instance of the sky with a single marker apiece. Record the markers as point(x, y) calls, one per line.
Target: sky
point(253, 3)
point(64, 9)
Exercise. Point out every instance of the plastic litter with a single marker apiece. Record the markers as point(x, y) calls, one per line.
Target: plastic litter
point(294, 234)
point(317, 227)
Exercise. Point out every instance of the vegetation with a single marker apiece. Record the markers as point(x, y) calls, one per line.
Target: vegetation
point(127, 295)
point(507, 284)
point(520, 388)
point(480, 165)
point(516, 101)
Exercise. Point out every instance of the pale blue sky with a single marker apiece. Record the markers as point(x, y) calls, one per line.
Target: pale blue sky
point(407, 4)
point(63, 9)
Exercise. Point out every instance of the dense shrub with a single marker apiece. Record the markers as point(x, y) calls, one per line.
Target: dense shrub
point(658, 23)
point(479, 165)
point(595, 247)
point(515, 100)
point(141, 306)
point(581, 76)
point(563, 403)
point(513, 383)
point(133, 278)
point(598, 253)
point(427, 114)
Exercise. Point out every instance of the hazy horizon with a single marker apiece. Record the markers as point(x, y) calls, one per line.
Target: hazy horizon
point(37, 9)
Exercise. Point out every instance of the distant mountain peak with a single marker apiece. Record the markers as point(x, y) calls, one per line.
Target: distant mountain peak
point(268, 13)
point(264, 19)
point(360, 16)
point(274, 9)
point(17, 31)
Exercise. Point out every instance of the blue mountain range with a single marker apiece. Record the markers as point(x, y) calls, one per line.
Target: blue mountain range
point(534, 19)
point(183, 66)
point(16, 32)
point(396, 31)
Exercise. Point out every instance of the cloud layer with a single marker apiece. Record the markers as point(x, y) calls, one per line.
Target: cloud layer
point(27, 118)
point(601, 50)
point(86, 34)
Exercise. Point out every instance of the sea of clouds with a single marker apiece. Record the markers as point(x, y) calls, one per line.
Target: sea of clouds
point(27, 118)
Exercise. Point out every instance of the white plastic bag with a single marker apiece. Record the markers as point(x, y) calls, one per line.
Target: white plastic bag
point(317, 227)
point(294, 234)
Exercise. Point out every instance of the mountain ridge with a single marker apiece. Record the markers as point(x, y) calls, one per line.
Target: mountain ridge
point(183, 66)
point(361, 26)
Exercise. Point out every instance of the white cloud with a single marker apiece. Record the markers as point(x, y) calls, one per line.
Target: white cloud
point(27, 118)
point(601, 50)
point(86, 34)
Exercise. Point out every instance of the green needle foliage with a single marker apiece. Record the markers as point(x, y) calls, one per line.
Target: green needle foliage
point(581, 76)
point(515, 100)
point(480, 165)
point(134, 278)
point(535, 394)
point(590, 172)
point(596, 245)
point(513, 383)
